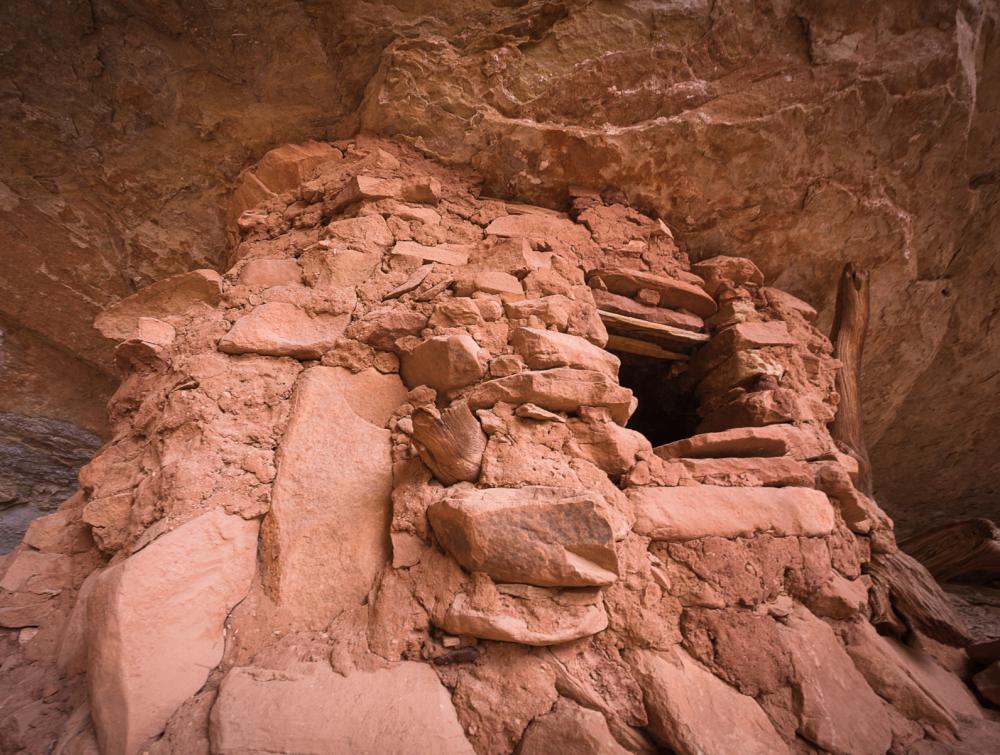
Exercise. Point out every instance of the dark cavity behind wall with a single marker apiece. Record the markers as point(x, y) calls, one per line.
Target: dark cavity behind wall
point(665, 412)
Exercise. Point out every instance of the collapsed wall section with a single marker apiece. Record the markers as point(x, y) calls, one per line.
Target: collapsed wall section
point(386, 456)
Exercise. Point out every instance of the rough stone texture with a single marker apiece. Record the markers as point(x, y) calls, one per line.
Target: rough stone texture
point(569, 728)
point(558, 390)
point(839, 712)
point(170, 296)
point(324, 539)
point(527, 616)
point(443, 363)
point(544, 349)
point(310, 709)
point(898, 678)
point(40, 460)
point(155, 625)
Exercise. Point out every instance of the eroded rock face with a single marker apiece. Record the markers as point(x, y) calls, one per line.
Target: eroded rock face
point(462, 544)
point(41, 459)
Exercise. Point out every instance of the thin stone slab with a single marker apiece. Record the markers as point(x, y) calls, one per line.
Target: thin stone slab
point(805, 442)
point(633, 327)
point(446, 254)
point(645, 349)
point(623, 305)
point(673, 293)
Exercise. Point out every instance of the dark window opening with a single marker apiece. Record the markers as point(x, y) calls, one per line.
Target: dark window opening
point(666, 412)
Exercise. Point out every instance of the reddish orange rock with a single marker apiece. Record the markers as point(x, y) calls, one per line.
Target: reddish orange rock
point(559, 390)
point(156, 625)
point(396, 710)
point(280, 329)
point(544, 349)
point(444, 363)
point(675, 294)
point(686, 513)
point(533, 535)
point(806, 442)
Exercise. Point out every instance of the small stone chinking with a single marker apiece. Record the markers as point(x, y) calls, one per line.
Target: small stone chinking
point(372, 491)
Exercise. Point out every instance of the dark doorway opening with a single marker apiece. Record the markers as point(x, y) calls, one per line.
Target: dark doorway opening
point(666, 412)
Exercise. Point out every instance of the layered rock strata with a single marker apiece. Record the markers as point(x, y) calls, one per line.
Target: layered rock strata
point(385, 460)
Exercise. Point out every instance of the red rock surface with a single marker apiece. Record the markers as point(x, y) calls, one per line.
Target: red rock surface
point(570, 583)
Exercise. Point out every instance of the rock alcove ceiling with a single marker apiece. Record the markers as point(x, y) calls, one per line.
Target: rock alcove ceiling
point(799, 135)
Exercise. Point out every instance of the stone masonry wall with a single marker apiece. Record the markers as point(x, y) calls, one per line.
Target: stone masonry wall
point(372, 490)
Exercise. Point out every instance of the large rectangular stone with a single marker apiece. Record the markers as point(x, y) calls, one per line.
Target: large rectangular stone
point(327, 533)
point(156, 625)
point(688, 513)
point(531, 535)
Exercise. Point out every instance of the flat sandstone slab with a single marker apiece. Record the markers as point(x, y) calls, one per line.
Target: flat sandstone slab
point(156, 625)
point(400, 710)
point(327, 534)
point(623, 305)
point(279, 329)
point(805, 442)
point(633, 327)
point(688, 513)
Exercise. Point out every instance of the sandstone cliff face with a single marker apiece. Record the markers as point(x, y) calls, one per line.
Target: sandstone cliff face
point(375, 489)
point(800, 135)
